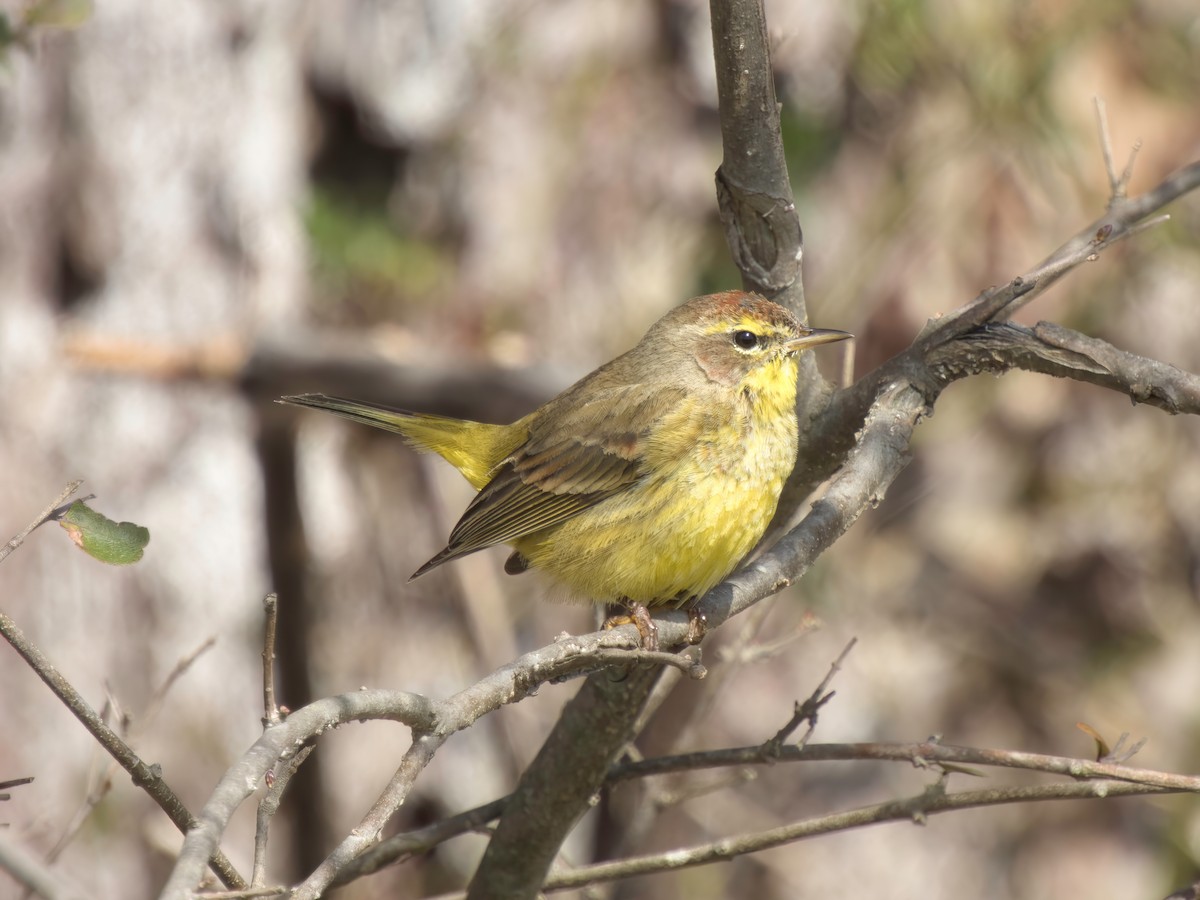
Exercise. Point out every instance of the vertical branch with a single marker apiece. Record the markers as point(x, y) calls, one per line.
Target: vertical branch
point(753, 190)
point(271, 714)
point(757, 207)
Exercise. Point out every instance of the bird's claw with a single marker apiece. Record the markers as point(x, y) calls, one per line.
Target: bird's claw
point(639, 617)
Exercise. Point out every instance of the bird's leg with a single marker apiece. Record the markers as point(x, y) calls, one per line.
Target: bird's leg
point(697, 624)
point(638, 616)
point(645, 626)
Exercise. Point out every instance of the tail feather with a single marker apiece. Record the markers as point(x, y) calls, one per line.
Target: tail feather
point(474, 448)
point(357, 411)
point(441, 557)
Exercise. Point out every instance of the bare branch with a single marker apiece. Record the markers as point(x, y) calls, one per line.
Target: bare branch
point(1110, 167)
point(154, 704)
point(923, 755)
point(270, 707)
point(276, 782)
point(12, 783)
point(366, 834)
point(753, 190)
point(31, 874)
point(920, 754)
point(401, 846)
point(913, 809)
point(808, 710)
point(42, 517)
point(1121, 220)
point(149, 778)
point(1054, 350)
point(102, 783)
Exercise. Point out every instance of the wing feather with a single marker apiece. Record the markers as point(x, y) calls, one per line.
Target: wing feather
point(574, 459)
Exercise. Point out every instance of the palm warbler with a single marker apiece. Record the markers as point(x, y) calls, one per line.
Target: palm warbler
point(649, 480)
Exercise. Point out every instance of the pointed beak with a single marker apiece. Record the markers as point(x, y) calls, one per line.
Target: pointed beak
point(814, 336)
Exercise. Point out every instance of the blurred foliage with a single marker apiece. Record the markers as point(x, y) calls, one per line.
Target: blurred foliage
point(810, 144)
point(363, 260)
point(41, 14)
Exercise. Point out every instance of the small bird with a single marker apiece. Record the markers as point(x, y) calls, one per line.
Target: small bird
point(646, 482)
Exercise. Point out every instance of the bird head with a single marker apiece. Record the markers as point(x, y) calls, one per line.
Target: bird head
point(734, 336)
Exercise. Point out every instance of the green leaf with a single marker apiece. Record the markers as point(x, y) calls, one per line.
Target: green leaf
point(118, 543)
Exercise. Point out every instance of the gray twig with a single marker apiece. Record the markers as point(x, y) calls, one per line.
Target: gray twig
point(43, 516)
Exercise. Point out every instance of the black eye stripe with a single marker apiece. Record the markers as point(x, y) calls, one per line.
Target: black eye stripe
point(747, 340)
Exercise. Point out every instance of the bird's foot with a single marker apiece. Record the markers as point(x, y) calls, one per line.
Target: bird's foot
point(639, 617)
point(697, 626)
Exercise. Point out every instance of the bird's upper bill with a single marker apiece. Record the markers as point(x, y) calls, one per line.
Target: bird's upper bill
point(810, 337)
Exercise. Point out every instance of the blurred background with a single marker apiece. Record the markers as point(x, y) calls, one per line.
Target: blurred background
point(464, 206)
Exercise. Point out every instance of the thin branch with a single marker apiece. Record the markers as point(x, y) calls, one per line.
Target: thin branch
point(32, 874)
point(749, 653)
point(808, 710)
point(154, 704)
point(412, 843)
point(914, 809)
point(366, 834)
point(694, 789)
point(920, 754)
point(148, 778)
point(276, 783)
point(1054, 350)
point(1115, 190)
point(1127, 173)
point(130, 730)
point(42, 517)
point(1119, 754)
point(1120, 222)
point(12, 783)
point(270, 707)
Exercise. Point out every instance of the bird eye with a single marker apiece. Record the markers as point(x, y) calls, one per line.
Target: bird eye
point(747, 340)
